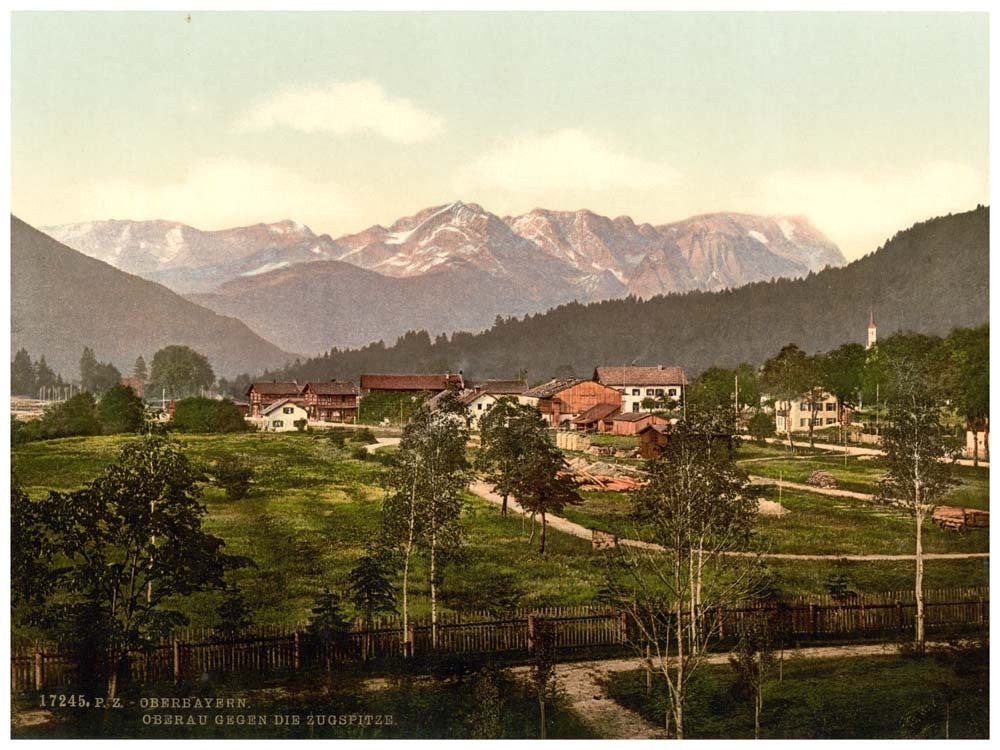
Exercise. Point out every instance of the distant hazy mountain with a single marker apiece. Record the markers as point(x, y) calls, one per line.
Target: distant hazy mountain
point(62, 301)
point(473, 265)
point(929, 278)
point(190, 260)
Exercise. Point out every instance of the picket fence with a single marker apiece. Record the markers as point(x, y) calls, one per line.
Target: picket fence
point(193, 653)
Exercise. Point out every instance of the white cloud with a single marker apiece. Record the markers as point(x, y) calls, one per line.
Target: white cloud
point(343, 109)
point(569, 160)
point(218, 194)
point(860, 211)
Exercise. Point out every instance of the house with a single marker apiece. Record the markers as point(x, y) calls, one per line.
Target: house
point(330, 401)
point(798, 412)
point(597, 418)
point(637, 383)
point(479, 399)
point(265, 393)
point(282, 415)
point(412, 383)
point(634, 422)
point(562, 400)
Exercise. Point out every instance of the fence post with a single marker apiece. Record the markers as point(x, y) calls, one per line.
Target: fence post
point(177, 660)
point(899, 615)
point(531, 633)
point(39, 670)
point(982, 611)
point(624, 631)
point(812, 619)
point(298, 652)
point(718, 611)
point(411, 634)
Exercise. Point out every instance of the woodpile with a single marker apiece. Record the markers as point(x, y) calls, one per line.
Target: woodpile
point(820, 478)
point(957, 518)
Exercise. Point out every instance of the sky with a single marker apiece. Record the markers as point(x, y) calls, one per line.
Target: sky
point(863, 122)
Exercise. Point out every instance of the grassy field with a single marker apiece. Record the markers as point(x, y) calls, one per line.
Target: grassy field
point(311, 513)
point(888, 697)
point(857, 473)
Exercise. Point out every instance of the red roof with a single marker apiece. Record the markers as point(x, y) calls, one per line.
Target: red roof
point(432, 382)
point(552, 387)
point(632, 375)
point(330, 388)
point(274, 388)
point(635, 416)
point(501, 387)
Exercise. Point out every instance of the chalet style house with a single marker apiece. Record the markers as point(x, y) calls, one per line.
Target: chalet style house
point(282, 415)
point(478, 399)
point(562, 400)
point(262, 394)
point(794, 415)
point(330, 401)
point(412, 383)
point(635, 384)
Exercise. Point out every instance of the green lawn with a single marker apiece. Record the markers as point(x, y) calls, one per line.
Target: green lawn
point(888, 697)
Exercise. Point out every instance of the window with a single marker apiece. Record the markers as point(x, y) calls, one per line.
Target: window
point(831, 406)
point(277, 423)
point(804, 406)
point(671, 391)
point(479, 407)
point(649, 391)
point(659, 391)
point(635, 392)
point(635, 406)
point(831, 420)
point(802, 422)
point(288, 410)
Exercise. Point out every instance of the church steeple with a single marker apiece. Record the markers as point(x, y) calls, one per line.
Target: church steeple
point(872, 330)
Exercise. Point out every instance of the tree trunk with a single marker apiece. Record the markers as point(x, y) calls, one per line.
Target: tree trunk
point(812, 426)
point(788, 429)
point(919, 584)
point(433, 593)
point(975, 444)
point(756, 713)
point(678, 693)
point(541, 537)
point(503, 506)
point(541, 713)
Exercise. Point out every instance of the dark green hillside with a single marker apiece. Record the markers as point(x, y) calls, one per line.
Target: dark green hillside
point(62, 301)
point(930, 278)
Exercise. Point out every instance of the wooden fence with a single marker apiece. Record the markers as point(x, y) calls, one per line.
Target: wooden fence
point(193, 653)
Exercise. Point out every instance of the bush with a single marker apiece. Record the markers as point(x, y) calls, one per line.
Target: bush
point(337, 437)
point(364, 435)
point(300, 424)
point(760, 427)
point(234, 476)
point(361, 453)
point(199, 414)
point(120, 410)
point(75, 416)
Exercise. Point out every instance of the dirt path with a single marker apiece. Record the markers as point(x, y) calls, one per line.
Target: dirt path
point(854, 450)
point(382, 443)
point(829, 491)
point(481, 489)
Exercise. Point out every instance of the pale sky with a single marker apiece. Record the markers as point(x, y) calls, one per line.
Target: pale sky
point(865, 123)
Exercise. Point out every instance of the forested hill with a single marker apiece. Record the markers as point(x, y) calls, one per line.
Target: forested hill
point(929, 278)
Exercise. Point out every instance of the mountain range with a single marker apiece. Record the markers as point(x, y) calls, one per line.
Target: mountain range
point(446, 268)
point(929, 278)
point(62, 301)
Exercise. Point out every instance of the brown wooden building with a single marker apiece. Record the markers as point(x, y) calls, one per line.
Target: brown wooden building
point(562, 400)
point(634, 422)
point(262, 394)
point(412, 383)
point(598, 418)
point(654, 438)
point(331, 401)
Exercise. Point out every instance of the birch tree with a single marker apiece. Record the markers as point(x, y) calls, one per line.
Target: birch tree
point(696, 514)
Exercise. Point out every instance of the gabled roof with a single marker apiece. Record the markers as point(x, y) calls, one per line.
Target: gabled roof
point(554, 386)
point(274, 388)
point(633, 375)
point(635, 416)
point(596, 413)
point(330, 388)
point(411, 382)
point(278, 404)
point(501, 387)
point(663, 429)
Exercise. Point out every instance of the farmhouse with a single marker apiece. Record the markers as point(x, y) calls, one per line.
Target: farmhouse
point(798, 413)
point(330, 401)
point(265, 393)
point(281, 416)
point(637, 383)
point(634, 422)
point(562, 400)
point(411, 383)
point(480, 398)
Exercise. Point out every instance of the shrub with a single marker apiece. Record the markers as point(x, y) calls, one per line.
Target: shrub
point(120, 410)
point(197, 414)
point(300, 424)
point(361, 453)
point(760, 427)
point(337, 437)
point(75, 416)
point(365, 435)
point(234, 476)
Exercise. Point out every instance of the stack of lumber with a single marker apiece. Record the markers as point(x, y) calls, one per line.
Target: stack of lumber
point(955, 517)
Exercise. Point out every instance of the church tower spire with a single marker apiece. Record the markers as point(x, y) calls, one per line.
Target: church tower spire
point(872, 330)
